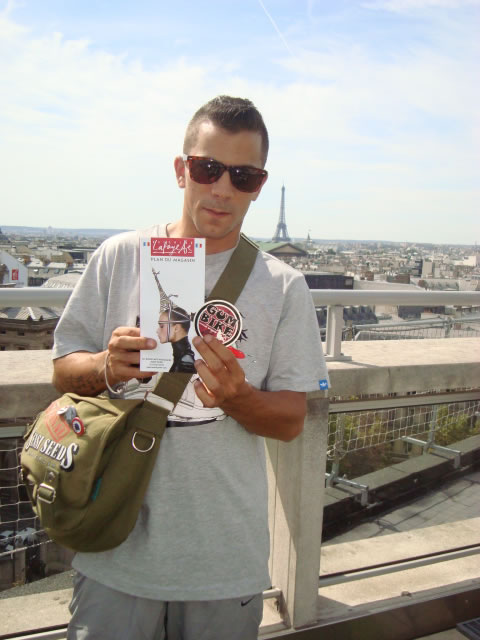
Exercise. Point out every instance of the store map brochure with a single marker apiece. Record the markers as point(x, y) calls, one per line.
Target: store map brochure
point(172, 289)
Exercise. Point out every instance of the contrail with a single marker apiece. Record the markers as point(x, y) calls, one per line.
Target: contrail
point(280, 34)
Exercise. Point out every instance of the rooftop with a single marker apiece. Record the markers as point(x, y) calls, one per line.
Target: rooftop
point(24, 313)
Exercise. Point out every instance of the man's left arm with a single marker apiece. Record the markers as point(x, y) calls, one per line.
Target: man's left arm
point(273, 414)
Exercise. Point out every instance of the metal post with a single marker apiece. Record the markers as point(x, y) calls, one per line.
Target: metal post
point(338, 451)
point(332, 479)
point(19, 567)
point(333, 342)
point(448, 327)
point(431, 431)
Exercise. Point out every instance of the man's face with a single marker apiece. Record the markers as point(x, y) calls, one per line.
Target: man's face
point(162, 331)
point(216, 211)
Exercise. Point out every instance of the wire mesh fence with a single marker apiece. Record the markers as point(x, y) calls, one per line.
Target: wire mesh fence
point(26, 551)
point(388, 433)
point(19, 527)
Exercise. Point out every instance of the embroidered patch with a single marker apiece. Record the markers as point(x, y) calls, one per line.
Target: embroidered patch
point(56, 424)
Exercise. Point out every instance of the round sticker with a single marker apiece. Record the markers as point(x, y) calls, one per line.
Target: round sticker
point(78, 427)
point(220, 319)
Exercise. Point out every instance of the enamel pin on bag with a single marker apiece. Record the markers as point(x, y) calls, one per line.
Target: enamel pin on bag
point(87, 461)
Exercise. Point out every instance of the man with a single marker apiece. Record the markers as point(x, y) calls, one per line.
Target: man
point(195, 565)
point(173, 327)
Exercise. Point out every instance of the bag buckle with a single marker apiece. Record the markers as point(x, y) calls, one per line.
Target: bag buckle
point(143, 450)
point(49, 493)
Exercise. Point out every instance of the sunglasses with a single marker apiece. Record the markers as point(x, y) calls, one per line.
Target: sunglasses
point(207, 171)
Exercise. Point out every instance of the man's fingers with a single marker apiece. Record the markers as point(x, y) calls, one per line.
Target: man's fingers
point(207, 399)
point(215, 354)
point(126, 331)
point(209, 378)
point(127, 373)
point(221, 376)
point(129, 339)
point(129, 343)
point(126, 368)
point(121, 357)
point(124, 354)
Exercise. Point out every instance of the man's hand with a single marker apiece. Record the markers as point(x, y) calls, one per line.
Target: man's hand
point(84, 373)
point(124, 354)
point(222, 377)
point(273, 414)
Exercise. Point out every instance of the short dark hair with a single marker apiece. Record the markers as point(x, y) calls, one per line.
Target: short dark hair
point(232, 114)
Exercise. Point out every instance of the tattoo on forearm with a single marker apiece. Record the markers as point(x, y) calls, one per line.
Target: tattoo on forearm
point(87, 384)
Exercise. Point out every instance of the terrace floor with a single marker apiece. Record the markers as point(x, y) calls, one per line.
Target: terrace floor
point(455, 500)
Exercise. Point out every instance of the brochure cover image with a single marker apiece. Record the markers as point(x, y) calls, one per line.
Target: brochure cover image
point(172, 289)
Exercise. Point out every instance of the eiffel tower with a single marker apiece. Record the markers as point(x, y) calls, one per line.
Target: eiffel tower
point(281, 232)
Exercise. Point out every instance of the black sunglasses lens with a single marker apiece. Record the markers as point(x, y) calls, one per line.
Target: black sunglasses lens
point(246, 180)
point(205, 171)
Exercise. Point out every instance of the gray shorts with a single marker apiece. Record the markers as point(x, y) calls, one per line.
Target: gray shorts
point(101, 613)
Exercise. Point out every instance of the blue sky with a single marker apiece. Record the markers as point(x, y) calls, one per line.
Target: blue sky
point(371, 105)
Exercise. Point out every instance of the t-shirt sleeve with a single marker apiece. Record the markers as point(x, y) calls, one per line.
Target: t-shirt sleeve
point(81, 326)
point(297, 362)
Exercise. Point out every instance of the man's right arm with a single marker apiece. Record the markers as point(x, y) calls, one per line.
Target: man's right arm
point(80, 372)
point(84, 373)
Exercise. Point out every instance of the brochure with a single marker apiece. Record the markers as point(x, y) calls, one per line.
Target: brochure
point(172, 289)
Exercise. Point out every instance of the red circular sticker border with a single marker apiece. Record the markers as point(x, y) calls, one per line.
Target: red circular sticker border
point(231, 307)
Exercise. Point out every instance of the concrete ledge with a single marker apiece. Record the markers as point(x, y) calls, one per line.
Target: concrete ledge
point(395, 547)
point(40, 610)
point(25, 383)
point(389, 591)
point(433, 583)
point(378, 367)
point(402, 366)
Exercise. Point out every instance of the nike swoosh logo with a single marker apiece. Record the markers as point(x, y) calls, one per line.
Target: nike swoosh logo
point(245, 602)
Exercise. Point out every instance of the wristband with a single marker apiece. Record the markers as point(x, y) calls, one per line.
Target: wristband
point(117, 389)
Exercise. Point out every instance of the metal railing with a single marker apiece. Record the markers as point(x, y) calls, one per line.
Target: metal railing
point(356, 426)
point(34, 297)
point(334, 299)
point(464, 327)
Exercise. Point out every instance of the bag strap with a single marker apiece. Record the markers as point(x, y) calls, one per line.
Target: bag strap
point(228, 287)
point(235, 275)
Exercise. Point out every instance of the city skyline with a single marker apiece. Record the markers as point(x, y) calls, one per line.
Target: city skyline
point(16, 234)
point(370, 105)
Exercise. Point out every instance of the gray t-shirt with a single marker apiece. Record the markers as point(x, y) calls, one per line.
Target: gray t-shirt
point(202, 532)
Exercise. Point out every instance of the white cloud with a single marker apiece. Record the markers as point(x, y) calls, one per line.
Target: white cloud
point(89, 136)
point(85, 131)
